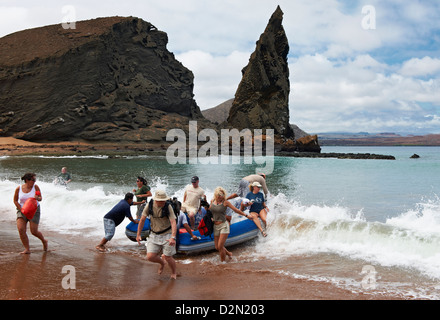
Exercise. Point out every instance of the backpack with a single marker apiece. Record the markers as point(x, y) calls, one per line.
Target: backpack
point(206, 226)
point(165, 210)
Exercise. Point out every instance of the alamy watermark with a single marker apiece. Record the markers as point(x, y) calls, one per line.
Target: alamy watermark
point(69, 17)
point(369, 20)
point(232, 144)
point(69, 281)
point(369, 280)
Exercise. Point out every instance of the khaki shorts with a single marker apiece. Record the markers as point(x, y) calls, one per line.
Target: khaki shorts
point(222, 228)
point(189, 209)
point(35, 219)
point(157, 242)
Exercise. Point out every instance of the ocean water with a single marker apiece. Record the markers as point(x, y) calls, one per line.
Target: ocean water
point(369, 226)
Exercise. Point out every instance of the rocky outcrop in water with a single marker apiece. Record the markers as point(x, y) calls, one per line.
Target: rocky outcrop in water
point(110, 79)
point(262, 98)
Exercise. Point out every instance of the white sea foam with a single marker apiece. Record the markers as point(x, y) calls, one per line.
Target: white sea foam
point(407, 241)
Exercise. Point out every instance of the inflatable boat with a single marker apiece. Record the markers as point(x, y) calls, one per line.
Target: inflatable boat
point(132, 228)
point(241, 231)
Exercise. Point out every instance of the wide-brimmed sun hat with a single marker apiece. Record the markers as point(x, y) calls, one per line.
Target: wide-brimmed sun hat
point(160, 195)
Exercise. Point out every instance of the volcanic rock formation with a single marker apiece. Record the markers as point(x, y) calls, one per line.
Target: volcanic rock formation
point(110, 79)
point(262, 98)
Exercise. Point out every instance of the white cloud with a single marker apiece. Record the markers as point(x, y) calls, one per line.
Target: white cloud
point(358, 95)
point(421, 67)
point(216, 77)
point(343, 77)
point(12, 19)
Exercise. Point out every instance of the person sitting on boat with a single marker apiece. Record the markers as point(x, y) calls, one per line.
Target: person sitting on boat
point(258, 209)
point(142, 193)
point(204, 205)
point(221, 222)
point(114, 218)
point(191, 200)
point(182, 222)
point(246, 182)
point(163, 232)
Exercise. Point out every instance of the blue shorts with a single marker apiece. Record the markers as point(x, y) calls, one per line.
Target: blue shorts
point(109, 228)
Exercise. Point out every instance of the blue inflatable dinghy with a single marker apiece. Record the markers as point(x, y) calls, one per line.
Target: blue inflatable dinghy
point(132, 228)
point(241, 231)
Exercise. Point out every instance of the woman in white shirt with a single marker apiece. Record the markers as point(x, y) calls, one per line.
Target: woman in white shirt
point(28, 190)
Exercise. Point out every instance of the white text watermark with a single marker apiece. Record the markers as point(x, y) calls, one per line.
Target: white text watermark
point(232, 144)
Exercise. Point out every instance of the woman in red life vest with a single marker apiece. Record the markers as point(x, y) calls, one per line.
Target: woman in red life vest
point(24, 192)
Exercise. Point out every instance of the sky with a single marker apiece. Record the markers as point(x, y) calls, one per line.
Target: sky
point(355, 66)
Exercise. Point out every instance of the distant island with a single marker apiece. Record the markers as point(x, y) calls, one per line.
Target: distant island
point(377, 139)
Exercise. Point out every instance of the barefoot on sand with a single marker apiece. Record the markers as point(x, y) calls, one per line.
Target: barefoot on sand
point(160, 270)
point(101, 248)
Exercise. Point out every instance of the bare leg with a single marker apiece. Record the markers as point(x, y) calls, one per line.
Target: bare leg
point(257, 222)
point(21, 226)
point(154, 257)
point(192, 219)
point(38, 234)
point(220, 246)
point(101, 245)
point(172, 263)
point(263, 217)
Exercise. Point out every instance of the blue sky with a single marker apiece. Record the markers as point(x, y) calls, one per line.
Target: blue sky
point(354, 65)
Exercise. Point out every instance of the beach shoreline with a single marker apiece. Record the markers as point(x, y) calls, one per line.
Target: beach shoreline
point(121, 275)
point(15, 147)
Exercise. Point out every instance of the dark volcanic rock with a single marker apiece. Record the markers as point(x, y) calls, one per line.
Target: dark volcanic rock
point(351, 156)
point(109, 79)
point(262, 98)
point(308, 144)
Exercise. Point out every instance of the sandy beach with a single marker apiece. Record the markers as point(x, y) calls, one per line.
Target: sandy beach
point(128, 276)
point(10, 146)
point(125, 274)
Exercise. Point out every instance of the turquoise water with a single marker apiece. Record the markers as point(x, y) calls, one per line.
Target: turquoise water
point(328, 217)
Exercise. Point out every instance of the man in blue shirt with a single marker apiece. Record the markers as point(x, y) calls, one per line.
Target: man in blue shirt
point(114, 218)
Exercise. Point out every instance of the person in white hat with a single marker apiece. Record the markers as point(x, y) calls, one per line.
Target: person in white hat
point(258, 209)
point(246, 182)
point(163, 232)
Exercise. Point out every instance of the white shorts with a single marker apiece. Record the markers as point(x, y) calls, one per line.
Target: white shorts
point(157, 242)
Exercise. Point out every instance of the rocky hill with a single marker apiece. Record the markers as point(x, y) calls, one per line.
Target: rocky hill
point(220, 113)
point(262, 98)
point(110, 79)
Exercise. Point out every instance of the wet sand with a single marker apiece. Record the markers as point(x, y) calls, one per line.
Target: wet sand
point(126, 275)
